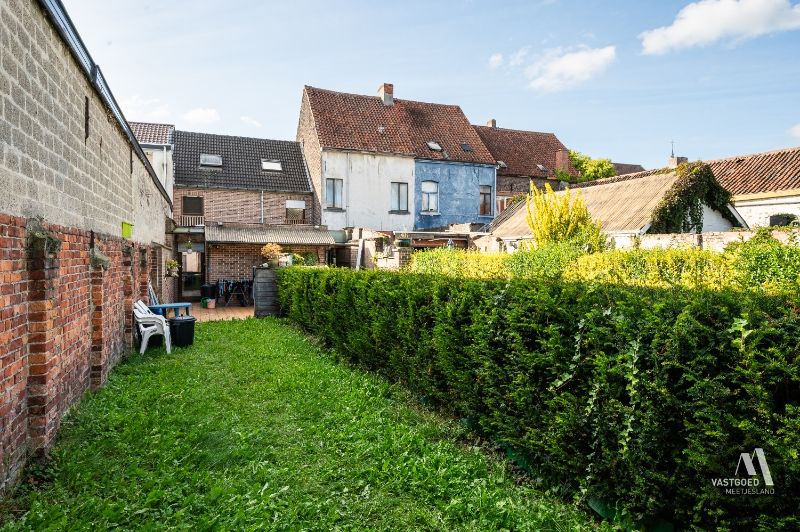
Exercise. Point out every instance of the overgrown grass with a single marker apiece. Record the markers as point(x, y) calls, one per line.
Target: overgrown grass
point(255, 427)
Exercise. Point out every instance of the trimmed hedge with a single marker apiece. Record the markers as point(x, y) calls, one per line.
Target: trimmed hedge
point(632, 399)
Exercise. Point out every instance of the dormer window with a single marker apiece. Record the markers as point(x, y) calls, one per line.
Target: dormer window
point(272, 165)
point(211, 160)
point(434, 146)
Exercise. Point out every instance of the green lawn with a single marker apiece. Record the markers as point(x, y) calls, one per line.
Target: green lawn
point(255, 427)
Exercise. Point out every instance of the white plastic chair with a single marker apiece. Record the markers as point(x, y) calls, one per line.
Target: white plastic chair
point(150, 324)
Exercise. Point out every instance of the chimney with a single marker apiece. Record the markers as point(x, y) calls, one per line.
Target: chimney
point(562, 160)
point(386, 93)
point(675, 161)
point(491, 123)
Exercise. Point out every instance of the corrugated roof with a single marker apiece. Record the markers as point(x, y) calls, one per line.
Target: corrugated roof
point(241, 163)
point(284, 235)
point(152, 133)
point(523, 151)
point(621, 206)
point(357, 122)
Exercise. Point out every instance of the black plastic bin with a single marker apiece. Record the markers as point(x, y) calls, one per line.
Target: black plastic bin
point(181, 329)
point(209, 291)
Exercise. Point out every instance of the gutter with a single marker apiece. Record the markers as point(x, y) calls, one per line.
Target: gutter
point(60, 20)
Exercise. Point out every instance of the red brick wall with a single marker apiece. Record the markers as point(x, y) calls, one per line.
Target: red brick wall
point(236, 261)
point(64, 324)
point(243, 206)
point(14, 342)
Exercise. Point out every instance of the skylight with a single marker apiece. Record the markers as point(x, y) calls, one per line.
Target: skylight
point(207, 159)
point(435, 146)
point(269, 164)
point(465, 146)
point(541, 167)
point(502, 164)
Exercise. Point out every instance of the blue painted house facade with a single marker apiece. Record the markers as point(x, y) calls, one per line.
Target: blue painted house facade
point(466, 193)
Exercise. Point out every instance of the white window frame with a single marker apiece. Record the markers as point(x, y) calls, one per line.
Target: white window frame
point(334, 188)
point(210, 159)
point(427, 195)
point(399, 197)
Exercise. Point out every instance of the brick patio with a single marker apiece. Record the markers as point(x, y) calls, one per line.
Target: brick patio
point(221, 313)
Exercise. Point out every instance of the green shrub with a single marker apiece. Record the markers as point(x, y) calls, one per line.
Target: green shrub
point(631, 398)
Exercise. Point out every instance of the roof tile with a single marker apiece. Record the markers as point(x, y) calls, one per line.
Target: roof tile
point(241, 163)
point(357, 122)
point(152, 133)
point(523, 151)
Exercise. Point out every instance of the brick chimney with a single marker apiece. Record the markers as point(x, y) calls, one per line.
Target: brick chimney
point(491, 122)
point(386, 93)
point(675, 161)
point(562, 160)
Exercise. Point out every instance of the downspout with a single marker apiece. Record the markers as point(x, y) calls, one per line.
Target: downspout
point(262, 207)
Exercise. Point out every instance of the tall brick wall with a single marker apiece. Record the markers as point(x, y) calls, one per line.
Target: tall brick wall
point(64, 323)
point(64, 318)
point(236, 261)
point(243, 206)
point(312, 150)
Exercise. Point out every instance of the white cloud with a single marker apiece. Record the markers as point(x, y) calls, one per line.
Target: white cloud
point(250, 121)
point(518, 57)
point(139, 109)
point(559, 69)
point(201, 116)
point(495, 60)
point(795, 131)
point(708, 21)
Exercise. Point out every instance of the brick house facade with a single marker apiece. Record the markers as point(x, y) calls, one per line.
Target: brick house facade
point(249, 187)
point(72, 173)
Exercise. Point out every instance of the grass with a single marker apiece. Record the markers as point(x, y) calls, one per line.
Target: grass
point(255, 427)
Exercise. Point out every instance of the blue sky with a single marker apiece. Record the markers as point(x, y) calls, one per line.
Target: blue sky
point(617, 79)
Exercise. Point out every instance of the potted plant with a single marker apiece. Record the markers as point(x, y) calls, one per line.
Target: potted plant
point(188, 246)
point(172, 268)
point(271, 252)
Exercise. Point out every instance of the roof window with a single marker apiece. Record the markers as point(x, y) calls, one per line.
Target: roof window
point(435, 146)
point(207, 159)
point(502, 164)
point(541, 167)
point(270, 164)
point(466, 146)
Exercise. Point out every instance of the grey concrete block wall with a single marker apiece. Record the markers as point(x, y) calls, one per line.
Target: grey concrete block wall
point(48, 168)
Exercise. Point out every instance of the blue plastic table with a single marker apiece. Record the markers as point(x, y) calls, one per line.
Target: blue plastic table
point(163, 310)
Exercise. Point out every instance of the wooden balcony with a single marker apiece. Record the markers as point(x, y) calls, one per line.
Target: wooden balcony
point(191, 220)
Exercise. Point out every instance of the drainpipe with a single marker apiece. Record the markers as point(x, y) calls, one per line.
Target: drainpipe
point(262, 207)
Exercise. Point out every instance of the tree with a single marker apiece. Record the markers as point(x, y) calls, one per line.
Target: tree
point(561, 217)
point(589, 168)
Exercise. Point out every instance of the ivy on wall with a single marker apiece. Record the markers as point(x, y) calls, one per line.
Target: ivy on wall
point(681, 209)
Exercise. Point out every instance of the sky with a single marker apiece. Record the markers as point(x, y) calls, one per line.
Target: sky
point(618, 79)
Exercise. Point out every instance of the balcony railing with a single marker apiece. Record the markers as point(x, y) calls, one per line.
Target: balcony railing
point(295, 221)
point(192, 220)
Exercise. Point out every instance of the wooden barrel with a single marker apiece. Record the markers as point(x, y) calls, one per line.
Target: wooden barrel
point(265, 292)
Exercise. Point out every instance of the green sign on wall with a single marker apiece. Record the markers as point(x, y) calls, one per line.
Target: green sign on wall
point(127, 230)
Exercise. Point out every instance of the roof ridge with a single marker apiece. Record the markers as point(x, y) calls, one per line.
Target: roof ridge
point(235, 136)
point(750, 155)
point(516, 130)
point(377, 98)
point(151, 123)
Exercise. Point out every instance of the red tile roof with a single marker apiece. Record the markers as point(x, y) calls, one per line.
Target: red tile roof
point(771, 171)
point(150, 133)
point(761, 172)
point(357, 122)
point(626, 168)
point(522, 151)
